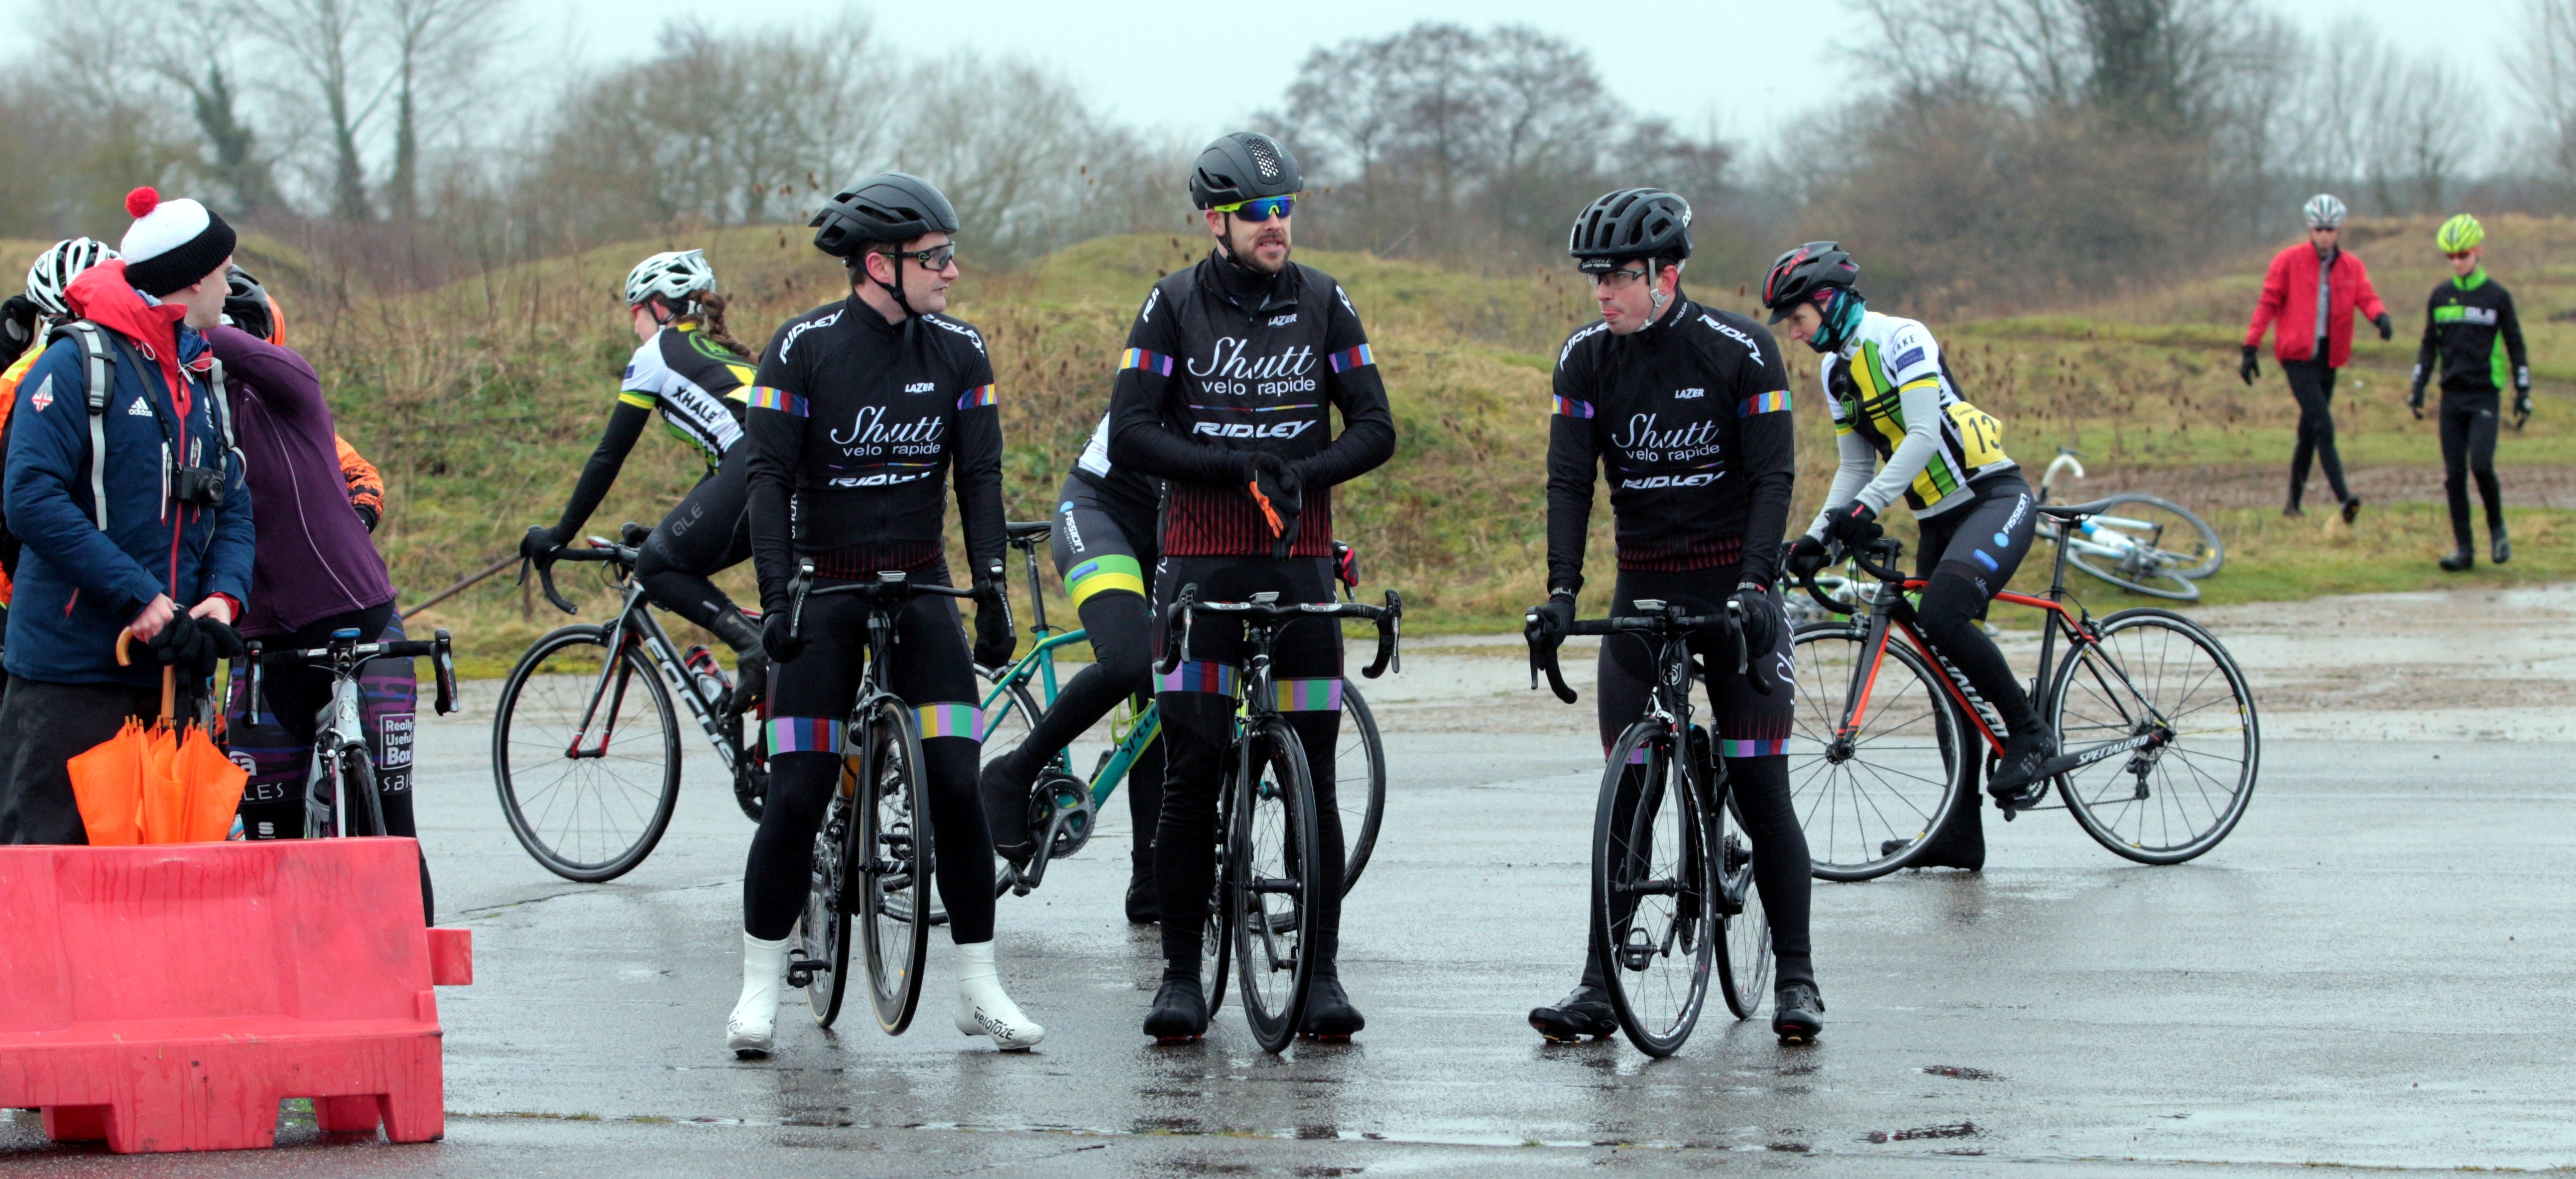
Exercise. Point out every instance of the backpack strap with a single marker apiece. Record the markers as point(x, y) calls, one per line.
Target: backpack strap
point(99, 366)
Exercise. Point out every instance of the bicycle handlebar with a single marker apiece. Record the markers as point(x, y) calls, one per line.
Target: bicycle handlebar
point(440, 650)
point(1543, 646)
point(891, 584)
point(1889, 545)
point(1178, 617)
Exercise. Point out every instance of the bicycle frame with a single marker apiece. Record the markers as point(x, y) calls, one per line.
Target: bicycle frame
point(1039, 666)
point(634, 625)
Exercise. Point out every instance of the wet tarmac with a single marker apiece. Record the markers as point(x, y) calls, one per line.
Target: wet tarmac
point(2373, 971)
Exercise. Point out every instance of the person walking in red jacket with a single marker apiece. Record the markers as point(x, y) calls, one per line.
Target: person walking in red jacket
point(2313, 291)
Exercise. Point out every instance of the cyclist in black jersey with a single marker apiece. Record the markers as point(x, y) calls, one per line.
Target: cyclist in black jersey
point(1684, 408)
point(862, 409)
point(1105, 544)
point(1226, 391)
point(2473, 346)
point(695, 372)
point(1903, 430)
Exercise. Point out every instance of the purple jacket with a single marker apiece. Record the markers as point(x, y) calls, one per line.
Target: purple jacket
point(313, 558)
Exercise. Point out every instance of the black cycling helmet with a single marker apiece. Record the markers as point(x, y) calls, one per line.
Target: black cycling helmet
point(1631, 223)
point(1804, 274)
point(886, 207)
point(1244, 166)
point(248, 305)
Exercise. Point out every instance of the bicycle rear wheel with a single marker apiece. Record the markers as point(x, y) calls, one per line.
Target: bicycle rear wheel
point(894, 855)
point(2157, 674)
point(2161, 546)
point(1654, 913)
point(823, 932)
point(1744, 953)
point(1216, 942)
point(1274, 859)
point(1359, 783)
point(1868, 804)
point(588, 803)
point(1009, 713)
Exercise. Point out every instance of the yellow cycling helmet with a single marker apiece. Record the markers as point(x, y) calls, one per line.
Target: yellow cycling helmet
point(2460, 234)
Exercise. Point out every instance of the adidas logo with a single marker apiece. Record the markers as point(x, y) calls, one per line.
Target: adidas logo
point(138, 409)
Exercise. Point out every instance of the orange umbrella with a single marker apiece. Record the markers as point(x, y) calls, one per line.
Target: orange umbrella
point(107, 782)
point(153, 785)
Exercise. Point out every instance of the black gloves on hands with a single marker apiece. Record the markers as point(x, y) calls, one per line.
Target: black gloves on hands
point(1852, 525)
point(994, 639)
point(2249, 368)
point(368, 516)
point(2415, 402)
point(1764, 620)
point(1555, 616)
point(194, 644)
point(1807, 555)
point(2387, 327)
point(2521, 407)
point(538, 545)
point(775, 639)
point(19, 316)
point(1281, 494)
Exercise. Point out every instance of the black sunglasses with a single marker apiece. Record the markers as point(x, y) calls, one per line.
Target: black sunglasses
point(936, 258)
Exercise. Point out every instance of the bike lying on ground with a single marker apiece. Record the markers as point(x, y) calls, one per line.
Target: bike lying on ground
point(2142, 543)
point(2158, 738)
point(585, 746)
point(1672, 871)
point(1267, 850)
point(342, 768)
point(1063, 807)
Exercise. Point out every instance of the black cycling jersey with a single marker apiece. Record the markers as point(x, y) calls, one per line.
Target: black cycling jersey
point(1222, 362)
point(852, 425)
point(1691, 416)
point(696, 382)
point(2470, 329)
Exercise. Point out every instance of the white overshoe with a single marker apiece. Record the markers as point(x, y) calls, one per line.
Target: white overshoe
point(752, 1029)
point(982, 1008)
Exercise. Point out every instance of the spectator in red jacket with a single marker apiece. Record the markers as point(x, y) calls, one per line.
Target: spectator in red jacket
point(2313, 291)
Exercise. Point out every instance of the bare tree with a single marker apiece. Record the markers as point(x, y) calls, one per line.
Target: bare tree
point(436, 47)
point(2542, 64)
point(325, 45)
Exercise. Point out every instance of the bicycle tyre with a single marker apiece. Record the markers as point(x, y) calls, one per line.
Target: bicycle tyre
point(1359, 736)
point(1908, 769)
point(1217, 939)
point(1657, 1016)
point(2177, 691)
point(2164, 579)
point(1274, 984)
point(1744, 947)
point(2209, 554)
point(895, 851)
point(528, 705)
point(823, 930)
point(358, 781)
point(1007, 727)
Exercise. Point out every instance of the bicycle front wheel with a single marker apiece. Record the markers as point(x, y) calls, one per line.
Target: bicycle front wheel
point(1359, 783)
point(1869, 800)
point(1744, 954)
point(1273, 860)
point(586, 755)
point(892, 855)
point(1654, 891)
point(2158, 676)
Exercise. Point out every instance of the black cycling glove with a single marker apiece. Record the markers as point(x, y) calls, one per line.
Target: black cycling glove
point(2521, 407)
point(994, 637)
point(1807, 556)
point(539, 544)
point(2415, 402)
point(1763, 622)
point(180, 643)
point(1555, 616)
point(368, 516)
point(776, 639)
point(2387, 327)
point(2249, 368)
point(1280, 493)
point(1853, 525)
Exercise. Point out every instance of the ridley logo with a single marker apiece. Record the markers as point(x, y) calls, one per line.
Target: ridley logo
point(1249, 430)
point(1654, 482)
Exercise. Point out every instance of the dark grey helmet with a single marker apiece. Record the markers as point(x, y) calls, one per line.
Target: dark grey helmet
point(1631, 223)
point(886, 207)
point(1244, 166)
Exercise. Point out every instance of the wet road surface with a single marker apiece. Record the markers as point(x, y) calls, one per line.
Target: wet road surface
point(2372, 971)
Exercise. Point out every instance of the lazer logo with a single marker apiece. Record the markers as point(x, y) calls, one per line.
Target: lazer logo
point(885, 479)
point(1283, 320)
point(1656, 482)
point(921, 387)
point(1689, 394)
point(789, 344)
point(1249, 430)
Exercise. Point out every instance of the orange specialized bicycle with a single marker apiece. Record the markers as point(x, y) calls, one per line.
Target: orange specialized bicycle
point(2157, 735)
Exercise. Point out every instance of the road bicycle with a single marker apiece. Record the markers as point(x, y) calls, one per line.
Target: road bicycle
point(2159, 740)
point(2142, 543)
point(1063, 806)
point(1672, 869)
point(342, 770)
point(872, 857)
point(1267, 853)
point(585, 745)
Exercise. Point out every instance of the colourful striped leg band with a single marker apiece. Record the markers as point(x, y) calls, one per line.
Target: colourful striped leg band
point(950, 720)
point(806, 734)
point(1198, 676)
point(1309, 695)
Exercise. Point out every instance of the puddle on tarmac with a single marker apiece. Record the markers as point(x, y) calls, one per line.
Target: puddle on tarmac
point(1962, 1073)
point(1947, 1130)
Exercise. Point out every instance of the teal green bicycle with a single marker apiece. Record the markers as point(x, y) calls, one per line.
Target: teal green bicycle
point(1063, 807)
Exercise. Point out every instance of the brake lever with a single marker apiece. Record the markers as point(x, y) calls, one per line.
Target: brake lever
point(796, 590)
point(1390, 630)
point(442, 662)
point(1176, 618)
point(546, 581)
point(1744, 664)
point(1543, 648)
point(251, 652)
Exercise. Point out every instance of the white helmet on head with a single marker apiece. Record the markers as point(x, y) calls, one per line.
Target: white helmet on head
point(2324, 212)
point(672, 277)
point(57, 267)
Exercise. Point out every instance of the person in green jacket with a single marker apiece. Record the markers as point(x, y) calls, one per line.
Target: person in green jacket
point(2473, 345)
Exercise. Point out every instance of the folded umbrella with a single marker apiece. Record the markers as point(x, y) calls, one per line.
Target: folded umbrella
point(214, 784)
point(107, 782)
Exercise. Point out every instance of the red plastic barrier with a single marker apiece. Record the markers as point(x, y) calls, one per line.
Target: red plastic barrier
point(168, 997)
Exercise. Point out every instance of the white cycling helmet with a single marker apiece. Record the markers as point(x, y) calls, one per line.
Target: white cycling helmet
point(56, 268)
point(672, 276)
point(2324, 212)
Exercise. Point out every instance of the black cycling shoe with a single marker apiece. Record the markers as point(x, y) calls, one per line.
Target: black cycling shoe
point(2017, 785)
point(1144, 907)
point(2459, 561)
point(1586, 1012)
point(2351, 508)
point(1180, 1012)
point(1005, 789)
point(2503, 550)
point(1329, 1014)
point(1797, 1014)
point(2293, 512)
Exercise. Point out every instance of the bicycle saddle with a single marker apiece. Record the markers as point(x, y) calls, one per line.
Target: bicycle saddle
point(2072, 511)
point(1027, 531)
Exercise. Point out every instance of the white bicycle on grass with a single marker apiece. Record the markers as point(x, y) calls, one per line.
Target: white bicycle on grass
point(2142, 543)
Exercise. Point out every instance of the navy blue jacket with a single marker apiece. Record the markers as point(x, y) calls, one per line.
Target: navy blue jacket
point(77, 586)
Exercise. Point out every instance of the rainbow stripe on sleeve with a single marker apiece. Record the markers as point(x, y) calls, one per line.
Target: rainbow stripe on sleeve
point(979, 397)
point(764, 397)
point(1150, 361)
point(1572, 408)
point(1351, 358)
point(1772, 402)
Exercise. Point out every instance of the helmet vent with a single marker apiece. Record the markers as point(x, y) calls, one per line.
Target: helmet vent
point(1264, 158)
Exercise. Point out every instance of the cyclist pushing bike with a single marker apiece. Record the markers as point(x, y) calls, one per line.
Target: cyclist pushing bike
point(862, 408)
point(1902, 429)
point(1226, 391)
point(692, 369)
point(1687, 407)
point(1104, 543)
